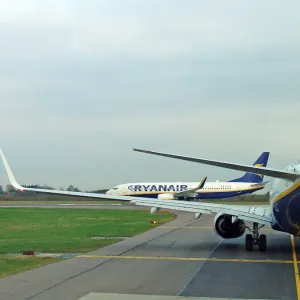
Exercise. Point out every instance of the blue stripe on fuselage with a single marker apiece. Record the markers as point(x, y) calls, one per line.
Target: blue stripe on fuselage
point(144, 195)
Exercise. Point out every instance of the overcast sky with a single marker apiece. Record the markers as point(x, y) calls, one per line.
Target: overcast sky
point(83, 82)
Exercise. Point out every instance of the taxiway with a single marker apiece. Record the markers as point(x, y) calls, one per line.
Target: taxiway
point(182, 258)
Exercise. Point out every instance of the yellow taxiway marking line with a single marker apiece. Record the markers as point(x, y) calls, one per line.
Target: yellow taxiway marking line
point(296, 269)
point(188, 258)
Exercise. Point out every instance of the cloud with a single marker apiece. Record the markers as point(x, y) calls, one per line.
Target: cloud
point(154, 29)
point(82, 82)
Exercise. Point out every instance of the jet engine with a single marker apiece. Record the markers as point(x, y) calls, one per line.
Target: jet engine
point(166, 197)
point(226, 228)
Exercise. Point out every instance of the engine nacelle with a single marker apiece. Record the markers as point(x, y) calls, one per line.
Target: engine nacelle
point(228, 229)
point(154, 210)
point(166, 197)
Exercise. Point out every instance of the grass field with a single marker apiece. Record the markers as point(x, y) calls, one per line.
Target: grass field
point(4, 202)
point(12, 265)
point(65, 230)
point(69, 230)
point(52, 199)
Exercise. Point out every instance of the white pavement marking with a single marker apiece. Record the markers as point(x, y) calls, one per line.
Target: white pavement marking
point(108, 296)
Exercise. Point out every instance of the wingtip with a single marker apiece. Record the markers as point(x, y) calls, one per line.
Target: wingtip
point(9, 173)
point(142, 150)
point(202, 183)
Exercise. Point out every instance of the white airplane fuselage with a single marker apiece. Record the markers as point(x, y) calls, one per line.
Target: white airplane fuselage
point(168, 190)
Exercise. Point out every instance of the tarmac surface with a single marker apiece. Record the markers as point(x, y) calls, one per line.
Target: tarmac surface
point(182, 258)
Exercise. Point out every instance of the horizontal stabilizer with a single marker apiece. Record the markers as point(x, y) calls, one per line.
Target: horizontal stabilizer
point(260, 184)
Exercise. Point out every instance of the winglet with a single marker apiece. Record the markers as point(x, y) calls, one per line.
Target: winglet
point(9, 173)
point(142, 150)
point(202, 183)
point(199, 187)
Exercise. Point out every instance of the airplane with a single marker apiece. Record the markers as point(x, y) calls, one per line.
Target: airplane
point(283, 213)
point(247, 184)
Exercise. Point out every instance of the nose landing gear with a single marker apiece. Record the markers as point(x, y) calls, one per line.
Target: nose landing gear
point(255, 239)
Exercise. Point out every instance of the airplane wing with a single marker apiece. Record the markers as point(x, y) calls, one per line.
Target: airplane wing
point(261, 215)
point(227, 165)
point(190, 191)
point(258, 214)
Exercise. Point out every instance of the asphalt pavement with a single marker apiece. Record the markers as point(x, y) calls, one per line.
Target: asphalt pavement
point(184, 258)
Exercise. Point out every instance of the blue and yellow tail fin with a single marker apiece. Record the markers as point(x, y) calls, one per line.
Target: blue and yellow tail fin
point(252, 177)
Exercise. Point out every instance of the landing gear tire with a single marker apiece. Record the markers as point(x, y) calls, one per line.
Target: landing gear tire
point(262, 243)
point(249, 242)
point(255, 239)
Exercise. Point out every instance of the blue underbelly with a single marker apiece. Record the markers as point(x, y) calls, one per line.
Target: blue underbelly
point(286, 212)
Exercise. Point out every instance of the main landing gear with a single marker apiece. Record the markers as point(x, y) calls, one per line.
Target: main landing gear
point(255, 239)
